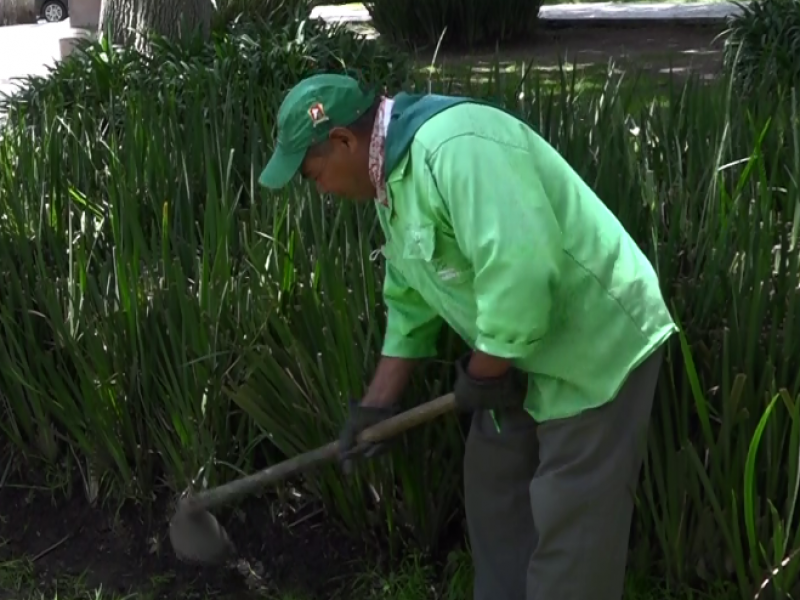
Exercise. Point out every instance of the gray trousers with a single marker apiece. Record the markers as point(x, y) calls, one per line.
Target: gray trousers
point(549, 505)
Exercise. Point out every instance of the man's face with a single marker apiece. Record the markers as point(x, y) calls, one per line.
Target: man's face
point(340, 166)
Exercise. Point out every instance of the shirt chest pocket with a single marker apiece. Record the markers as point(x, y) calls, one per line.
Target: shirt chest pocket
point(426, 250)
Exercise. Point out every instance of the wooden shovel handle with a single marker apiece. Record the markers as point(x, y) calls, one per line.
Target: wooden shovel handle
point(384, 430)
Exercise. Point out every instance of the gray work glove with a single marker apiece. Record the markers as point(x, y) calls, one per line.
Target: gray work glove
point(501, 393)
point(360, 418)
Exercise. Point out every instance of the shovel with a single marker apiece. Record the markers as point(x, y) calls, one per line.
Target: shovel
point(197, 537)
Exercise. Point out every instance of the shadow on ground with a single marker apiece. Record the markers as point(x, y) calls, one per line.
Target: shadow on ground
point(657, 49)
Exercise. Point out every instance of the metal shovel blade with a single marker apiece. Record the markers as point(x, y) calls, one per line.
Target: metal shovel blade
point(197, 537)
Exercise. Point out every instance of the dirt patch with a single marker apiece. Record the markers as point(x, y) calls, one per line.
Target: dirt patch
point(654, 48)
point(126, 550)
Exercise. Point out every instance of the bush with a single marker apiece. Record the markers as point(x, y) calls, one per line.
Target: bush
point(132, 187)
point(249, 60)
point(163, 321)
point(762, 46)
point(468, 23)
point(254, 57)
point(277, 13)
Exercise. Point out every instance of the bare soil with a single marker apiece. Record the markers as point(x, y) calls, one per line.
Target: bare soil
point(126, 550)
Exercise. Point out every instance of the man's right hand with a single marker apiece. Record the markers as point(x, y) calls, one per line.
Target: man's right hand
point(360, 418)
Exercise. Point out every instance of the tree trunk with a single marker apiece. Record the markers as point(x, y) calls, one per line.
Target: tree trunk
point(128, 22)
point(17, 12)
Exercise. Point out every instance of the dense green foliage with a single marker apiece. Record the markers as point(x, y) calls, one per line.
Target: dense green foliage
point(459, 23)
point(252, 57)
point(762, 46)
point(277, 13)
point(165, 321)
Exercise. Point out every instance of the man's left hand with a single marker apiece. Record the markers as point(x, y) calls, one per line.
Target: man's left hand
point(488, 383)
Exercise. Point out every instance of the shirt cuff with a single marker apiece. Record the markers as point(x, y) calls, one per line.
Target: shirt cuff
point(501, 349)
point(398, 346)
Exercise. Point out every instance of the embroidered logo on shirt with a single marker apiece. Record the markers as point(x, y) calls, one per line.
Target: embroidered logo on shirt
point(317, 114)
point(448, 274)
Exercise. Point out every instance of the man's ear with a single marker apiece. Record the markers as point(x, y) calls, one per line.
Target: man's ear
point(344, 137)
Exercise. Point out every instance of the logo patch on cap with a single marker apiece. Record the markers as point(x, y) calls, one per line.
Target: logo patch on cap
point(317, 114)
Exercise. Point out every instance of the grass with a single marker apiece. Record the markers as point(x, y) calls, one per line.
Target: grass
point(502, 78)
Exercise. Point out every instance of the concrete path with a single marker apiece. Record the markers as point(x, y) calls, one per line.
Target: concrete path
point(623, 11)
point(28, 50)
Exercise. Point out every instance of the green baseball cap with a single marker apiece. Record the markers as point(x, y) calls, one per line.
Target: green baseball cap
point(308, 113)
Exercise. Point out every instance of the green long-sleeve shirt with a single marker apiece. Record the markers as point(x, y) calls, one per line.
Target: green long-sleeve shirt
point(489, 229)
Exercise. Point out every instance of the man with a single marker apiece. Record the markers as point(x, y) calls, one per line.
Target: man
point(489, 229)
